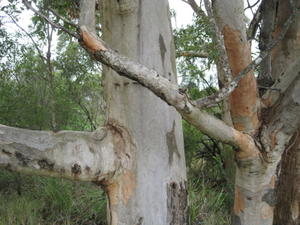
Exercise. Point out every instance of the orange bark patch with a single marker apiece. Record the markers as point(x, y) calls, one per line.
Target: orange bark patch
point(121, 188)
point(128, 184)
point(239, 203)
point(244, 98)
point(273, 139)
point(112, 191)
point(246, 144)
point(90, 40)
point(272, 182)
point(267, 211)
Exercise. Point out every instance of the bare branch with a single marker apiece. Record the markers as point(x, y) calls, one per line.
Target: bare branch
point(252, 29)
point(227, 90)
point(197, 9)
point(74, 155)
point(199, 54)
point(31, 38)
point(251, 6)
point(29, 6)
point(62, 18)
point(167, 91)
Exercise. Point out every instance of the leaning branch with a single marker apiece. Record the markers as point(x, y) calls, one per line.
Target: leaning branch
point(254, 24)
point(196, 8)
point(74, 155)
point(167, 91)
point(62, 18)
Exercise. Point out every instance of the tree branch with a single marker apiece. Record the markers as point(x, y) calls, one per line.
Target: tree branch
point(168, 92)
point(74, 155)
point(62, 18)
point(29, 6)
point(199, 54)
point(252, 29)
point(197, 9)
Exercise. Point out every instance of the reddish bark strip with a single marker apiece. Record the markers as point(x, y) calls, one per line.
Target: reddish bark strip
point(243, 100)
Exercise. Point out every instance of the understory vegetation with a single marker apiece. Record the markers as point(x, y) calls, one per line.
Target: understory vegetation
point(28, 200)
point(66, 95)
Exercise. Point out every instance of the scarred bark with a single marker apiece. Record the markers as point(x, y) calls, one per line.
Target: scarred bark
point(74, 155)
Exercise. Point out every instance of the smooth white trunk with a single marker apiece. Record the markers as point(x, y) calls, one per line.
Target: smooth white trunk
point(153, 190)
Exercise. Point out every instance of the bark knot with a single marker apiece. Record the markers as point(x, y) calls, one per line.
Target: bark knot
point(76, 169)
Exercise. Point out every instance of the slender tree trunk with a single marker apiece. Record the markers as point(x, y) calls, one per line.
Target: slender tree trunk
point(153, 189)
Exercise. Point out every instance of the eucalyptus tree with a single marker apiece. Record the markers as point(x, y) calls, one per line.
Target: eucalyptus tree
point(137, 157)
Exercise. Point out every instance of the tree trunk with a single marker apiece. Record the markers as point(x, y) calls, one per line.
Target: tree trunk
point(285, 64)
point(145, 133)
point(287, 209)
point(153, 188)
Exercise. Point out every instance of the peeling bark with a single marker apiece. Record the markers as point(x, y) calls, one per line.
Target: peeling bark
point(244, 99)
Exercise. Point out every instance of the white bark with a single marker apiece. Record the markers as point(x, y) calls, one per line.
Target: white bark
point(74, 155)
point(153, 190)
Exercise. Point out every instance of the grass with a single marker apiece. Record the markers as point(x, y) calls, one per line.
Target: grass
point(210, 200)
point(27, 200)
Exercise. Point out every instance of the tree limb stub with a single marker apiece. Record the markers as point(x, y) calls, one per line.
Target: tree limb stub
point(168, 92)
point(83, 156)
point(91, 41)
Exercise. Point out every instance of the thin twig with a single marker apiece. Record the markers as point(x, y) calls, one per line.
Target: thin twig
point(251, 6)
point(31, 38)
point(254, 24)
point(29, 6)
point(62, 18)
